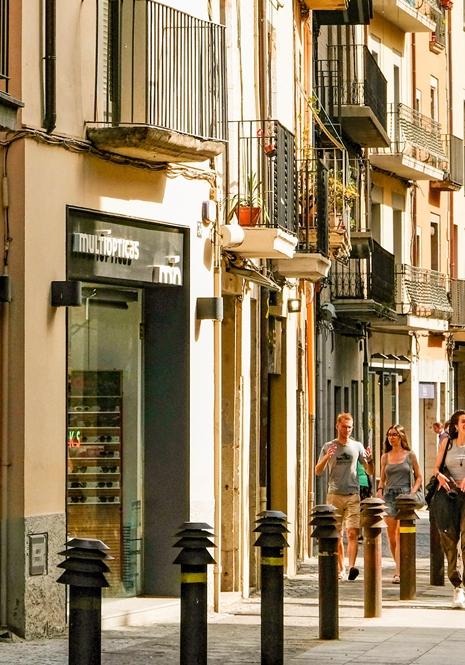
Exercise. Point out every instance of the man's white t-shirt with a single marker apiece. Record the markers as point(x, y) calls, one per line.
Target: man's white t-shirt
point(342, 466)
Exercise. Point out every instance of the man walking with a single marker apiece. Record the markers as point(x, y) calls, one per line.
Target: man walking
point(340, 456)
point(441, 431)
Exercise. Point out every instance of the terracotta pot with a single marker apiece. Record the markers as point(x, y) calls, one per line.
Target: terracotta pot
point(248, 215)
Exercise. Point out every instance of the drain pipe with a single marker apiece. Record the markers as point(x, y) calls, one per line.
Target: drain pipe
point(50, 66)
point(5, 460)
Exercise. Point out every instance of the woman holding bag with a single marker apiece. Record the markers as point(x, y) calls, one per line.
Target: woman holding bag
point(400, 474)
point(450, 497)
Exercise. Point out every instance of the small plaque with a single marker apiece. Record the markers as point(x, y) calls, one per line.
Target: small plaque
point(38, 551)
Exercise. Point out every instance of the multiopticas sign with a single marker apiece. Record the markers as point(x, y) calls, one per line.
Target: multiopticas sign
point(104, 245)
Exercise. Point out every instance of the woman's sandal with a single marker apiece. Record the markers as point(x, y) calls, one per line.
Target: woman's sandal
point(396, 579)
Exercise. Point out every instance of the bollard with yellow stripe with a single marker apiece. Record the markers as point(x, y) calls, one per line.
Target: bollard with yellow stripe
point(195, 541)
point(406, 514)
point(271, 527)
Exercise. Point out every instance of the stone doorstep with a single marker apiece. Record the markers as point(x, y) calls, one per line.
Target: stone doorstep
point(139, 611)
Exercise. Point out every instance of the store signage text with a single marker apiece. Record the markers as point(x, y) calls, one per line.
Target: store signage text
point(105, 246)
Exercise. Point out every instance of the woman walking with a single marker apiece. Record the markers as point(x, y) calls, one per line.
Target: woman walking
point(452, 479)
point(400, 474)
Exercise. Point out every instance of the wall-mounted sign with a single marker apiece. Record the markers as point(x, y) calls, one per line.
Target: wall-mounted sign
point(104, 246)
point(426, 390)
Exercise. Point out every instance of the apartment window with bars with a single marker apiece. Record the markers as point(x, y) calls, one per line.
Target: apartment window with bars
point(4, 45)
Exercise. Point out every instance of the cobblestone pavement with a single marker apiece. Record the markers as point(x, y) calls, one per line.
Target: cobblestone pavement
point(422, 631)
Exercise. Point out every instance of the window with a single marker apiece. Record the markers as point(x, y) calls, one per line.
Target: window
point(4, 45)
point(434, 98)
point(417, 248)
point(418, 100)
point(434, 242)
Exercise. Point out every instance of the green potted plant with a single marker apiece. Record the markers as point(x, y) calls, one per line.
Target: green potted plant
point(248, 205)
point(341, 198)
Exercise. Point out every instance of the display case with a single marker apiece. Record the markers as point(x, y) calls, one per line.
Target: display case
point(94, 441)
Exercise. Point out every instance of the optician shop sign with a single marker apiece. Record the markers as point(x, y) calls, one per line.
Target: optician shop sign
point(103, 246)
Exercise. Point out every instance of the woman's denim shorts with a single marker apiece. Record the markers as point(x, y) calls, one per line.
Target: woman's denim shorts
point(390, 499)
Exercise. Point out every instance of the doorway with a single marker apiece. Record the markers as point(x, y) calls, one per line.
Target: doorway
point(105, 428)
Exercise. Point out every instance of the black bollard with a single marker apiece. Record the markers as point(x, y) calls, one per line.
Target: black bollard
point(436, 555)
point(84, 567)
point(194, 557)
point(324, 519)
point(405, 505)
point(271, 527)
point(372, 522)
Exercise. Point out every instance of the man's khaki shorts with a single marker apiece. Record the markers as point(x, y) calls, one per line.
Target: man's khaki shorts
point(347, 510)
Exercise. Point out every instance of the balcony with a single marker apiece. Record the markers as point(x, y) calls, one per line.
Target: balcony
point(315, 240)
point(353, 90)
point(437, 42)
point(408, 15)
point(453, 175)
point(422, 298)
point(359, 12)
point(8, 105)
point(262, 188)
point(457, 299)
point(328, 5)
point(161, 96)
point(417, 150)
point(364, 288)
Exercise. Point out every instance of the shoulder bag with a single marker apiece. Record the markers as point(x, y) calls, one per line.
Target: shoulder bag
point(419, 495)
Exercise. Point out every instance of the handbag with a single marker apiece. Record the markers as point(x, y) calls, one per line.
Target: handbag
point(419, 498)
point(419, 495)
point(433, 483)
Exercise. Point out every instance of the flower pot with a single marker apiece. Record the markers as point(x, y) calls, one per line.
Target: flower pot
point(248, 215)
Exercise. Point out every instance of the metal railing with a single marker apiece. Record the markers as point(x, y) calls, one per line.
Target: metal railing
point(439, 34)
point(457, 299)
point(161, 67)
point(4, 43)
point(422, 292)
point(369, 278)
point(415, 135)
point(360, 81)
point(263, 172)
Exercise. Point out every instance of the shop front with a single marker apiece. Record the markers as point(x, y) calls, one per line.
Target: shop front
point(128, 394)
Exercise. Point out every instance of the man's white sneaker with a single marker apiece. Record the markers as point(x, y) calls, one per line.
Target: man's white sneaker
point(342, 576)
point(458, 598)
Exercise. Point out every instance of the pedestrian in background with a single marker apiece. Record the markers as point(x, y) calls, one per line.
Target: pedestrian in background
point(340, 456)
point(400, 474)
point(452, 480)
point(441, 431)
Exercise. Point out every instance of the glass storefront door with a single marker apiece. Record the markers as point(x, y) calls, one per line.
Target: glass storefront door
point(104, 437)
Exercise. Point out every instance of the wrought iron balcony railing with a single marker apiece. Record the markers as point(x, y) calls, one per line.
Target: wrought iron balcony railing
point(262, 175)
point(162, 68)
point(4, 33)
point(438, 37)
point(371, 278)
point(415, 135)
point(325, 197)
point(352, 77)
point(422, 292)
point(457, 299)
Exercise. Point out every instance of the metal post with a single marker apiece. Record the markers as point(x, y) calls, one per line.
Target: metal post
point(324, 519)
point(372, 522)
point(84, 567)
point(405, 504)
point(271, 527)
point(194, 557)
point(436, 555)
